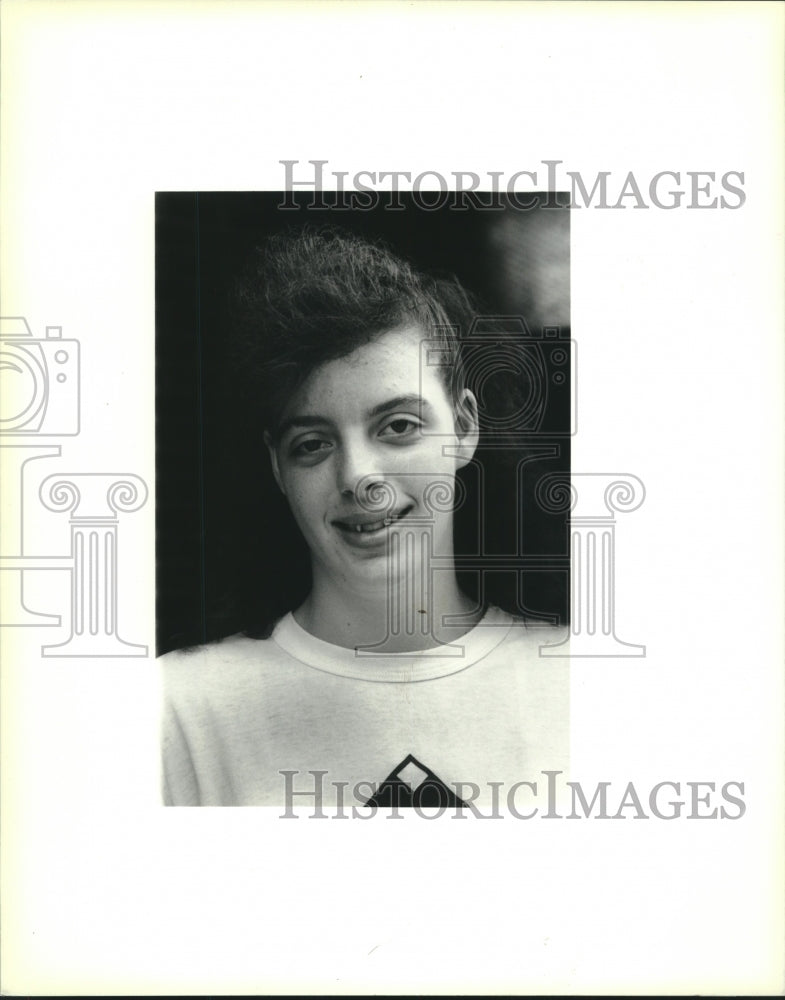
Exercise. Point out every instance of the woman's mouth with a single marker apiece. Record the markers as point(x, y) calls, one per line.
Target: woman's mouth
point(365, 524)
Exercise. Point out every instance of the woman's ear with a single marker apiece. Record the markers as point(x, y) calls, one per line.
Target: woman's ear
point(274, 460)
point(467, 426)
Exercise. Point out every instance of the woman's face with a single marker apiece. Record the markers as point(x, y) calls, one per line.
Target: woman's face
point(367, 454)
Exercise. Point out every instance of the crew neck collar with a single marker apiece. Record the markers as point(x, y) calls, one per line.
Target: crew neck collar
point(370, 665)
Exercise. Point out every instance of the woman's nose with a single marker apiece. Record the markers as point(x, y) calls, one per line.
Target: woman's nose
point(362, 477)
point(357, 468)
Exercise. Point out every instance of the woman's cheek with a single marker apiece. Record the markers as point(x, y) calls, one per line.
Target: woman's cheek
point(305, 487)
point(433, 459)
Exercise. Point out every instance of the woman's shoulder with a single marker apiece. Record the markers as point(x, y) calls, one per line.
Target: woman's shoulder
point(234, 652)
point(218, 676)
point(220, 646)
point(533, 631)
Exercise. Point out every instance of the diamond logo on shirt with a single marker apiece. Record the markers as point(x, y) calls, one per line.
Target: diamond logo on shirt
point(411, 783)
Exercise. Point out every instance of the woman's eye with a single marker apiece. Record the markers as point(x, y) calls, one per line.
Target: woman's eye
point(310, 447)
point(400, 427)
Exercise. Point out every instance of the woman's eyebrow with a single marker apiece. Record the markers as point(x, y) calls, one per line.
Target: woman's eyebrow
point(400, 402)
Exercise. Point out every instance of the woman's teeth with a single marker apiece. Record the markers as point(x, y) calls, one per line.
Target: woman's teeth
point(376, 526)
point(385, 522)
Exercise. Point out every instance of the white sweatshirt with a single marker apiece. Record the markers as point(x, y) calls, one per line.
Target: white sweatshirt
point(247, 721)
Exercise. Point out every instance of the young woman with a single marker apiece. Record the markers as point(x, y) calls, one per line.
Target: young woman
point(387, 684)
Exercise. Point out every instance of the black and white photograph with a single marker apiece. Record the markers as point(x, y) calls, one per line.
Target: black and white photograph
point(392, 499)
point(356, 555)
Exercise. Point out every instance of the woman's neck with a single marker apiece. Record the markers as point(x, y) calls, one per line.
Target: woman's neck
point(398, 619)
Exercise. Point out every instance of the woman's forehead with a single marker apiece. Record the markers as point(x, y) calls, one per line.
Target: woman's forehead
point(392, 363)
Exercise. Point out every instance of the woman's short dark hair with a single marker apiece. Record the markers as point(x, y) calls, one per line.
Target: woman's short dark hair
point(311, 296)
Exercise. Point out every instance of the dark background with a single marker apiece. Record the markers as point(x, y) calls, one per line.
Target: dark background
point(228, 554)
